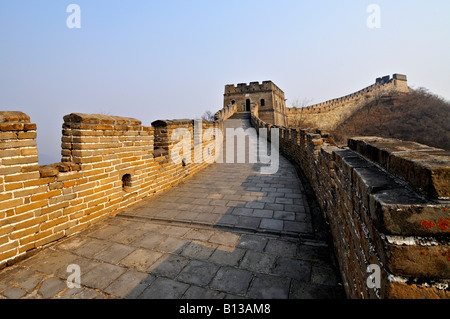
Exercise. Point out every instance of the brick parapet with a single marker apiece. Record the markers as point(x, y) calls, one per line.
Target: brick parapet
point(108, 163)
point(386, 204)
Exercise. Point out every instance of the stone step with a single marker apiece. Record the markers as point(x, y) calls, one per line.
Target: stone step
point(257, 230)
point(240, 115)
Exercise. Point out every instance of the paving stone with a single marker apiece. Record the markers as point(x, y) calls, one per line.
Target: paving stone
point(14, 293)
point(281, 200)
point(20, 276)
point(150, 241)
point(92, 247)
point(269, 287)
point(218, 210)
point(198, 251)
point(248, 222)
point(195, 292)
point(223, 257)
point(255, 205)
point(258, 262)
point(271, 224)
point(203, 209)
point(241, 211)
point(284, 215)
point(169, 266)
point(263, 213)
point(172, 245)
point(78, 293)
point(130, 285)
point(297, 227)
point(85, 264)
point(232, 280)
point(206, 218)
point(293, 268)
point(281, 248)
point(101, 276)
point(163, 288)
point(228, 220)
point(175, 231)
point(198, 273)
point(114, 253)
point(253, 242)
point(106, 232)
point(127, 235)
point(233, 202)
point(51, 286)
point(73, 243)
point(141, 259)
point(31, 282)
point(295, 208)
point(50, 261)
point(186, 216)
point(199, 234)
point(224, 238)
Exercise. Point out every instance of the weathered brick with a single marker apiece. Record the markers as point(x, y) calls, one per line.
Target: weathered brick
point(10, 170)
point(45, 195)
point(26, 135)
point(20, 160)
point(17, 144)
point(30, 207)
point(11, 126)
point(9, 153)
point(5, 196)
point(21, 177)
point(11, 203)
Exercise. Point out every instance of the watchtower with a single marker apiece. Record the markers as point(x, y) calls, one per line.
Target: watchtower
point(266, 97)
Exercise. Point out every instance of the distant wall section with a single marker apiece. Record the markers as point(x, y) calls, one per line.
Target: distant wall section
point(328, 115)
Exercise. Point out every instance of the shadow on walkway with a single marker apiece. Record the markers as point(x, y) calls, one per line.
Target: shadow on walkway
point(228, 232)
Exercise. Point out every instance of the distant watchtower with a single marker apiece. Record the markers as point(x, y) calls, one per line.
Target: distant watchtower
point(267, 98)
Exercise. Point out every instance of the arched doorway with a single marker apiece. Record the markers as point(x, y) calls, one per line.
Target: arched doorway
point(247, 105)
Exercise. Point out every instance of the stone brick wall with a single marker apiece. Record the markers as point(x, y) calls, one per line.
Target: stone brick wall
point(108, 163)
point(387, 204)
point(328, 115)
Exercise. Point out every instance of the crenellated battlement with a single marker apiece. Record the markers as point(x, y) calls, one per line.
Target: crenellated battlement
point(327, 115)
point(253, 87)
point(397, 83)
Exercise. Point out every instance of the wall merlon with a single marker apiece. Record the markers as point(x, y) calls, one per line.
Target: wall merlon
point(425, 168)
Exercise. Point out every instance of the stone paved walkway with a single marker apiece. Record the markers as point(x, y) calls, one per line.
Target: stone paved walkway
point(228, 232)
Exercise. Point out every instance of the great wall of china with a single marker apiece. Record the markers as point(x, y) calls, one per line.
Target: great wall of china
point(386, 201)
point(327, 115)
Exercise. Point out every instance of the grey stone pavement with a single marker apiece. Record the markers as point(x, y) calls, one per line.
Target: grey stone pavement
point(227, 232)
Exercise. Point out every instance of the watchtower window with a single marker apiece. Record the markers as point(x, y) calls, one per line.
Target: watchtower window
point(233, 102)
point(263, 103)
point(126, 180)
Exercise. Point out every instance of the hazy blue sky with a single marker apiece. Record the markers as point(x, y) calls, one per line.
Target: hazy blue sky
point(171, 59)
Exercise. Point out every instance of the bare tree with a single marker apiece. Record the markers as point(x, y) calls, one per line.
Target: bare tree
point(297, 121)
point(208, 116)
point(299, 103)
